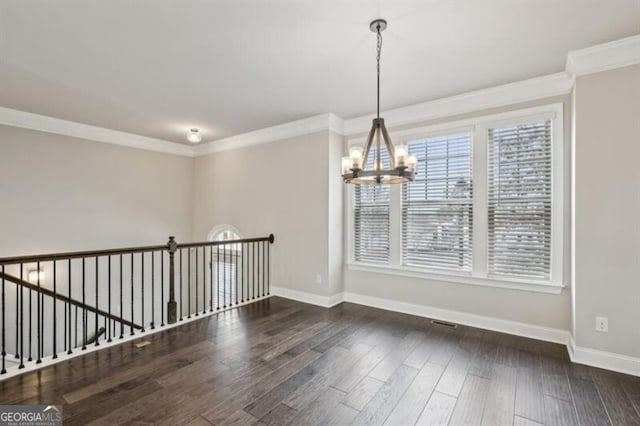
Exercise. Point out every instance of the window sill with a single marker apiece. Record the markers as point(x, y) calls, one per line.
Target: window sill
point(468, 279)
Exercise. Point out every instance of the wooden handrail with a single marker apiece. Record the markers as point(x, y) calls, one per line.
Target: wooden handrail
point(58, 296)
point(124, 250)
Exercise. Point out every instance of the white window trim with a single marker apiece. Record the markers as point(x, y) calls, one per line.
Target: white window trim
point(477, 126)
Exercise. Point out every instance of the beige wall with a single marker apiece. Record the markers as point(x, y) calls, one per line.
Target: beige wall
point(59, 193)
point(288, 193)
point(607, 210)
point(547, 310)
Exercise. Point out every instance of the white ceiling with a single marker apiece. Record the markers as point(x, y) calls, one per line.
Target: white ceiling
point(158, 67)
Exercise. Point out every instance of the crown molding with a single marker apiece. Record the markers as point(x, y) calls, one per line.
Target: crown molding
point(507, 94)
point(304, 126)
point(42, 123)
point(593, 59)
point(603, 57)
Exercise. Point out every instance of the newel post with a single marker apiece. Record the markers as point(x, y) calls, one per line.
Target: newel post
point(172, 306)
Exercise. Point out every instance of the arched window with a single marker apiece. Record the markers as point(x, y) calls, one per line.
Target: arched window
point(226, 261)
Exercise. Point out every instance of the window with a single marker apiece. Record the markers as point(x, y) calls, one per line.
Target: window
point(486, 206)
point(371, 218)
point(520, 200)
point(225, 267)
point(437, 207)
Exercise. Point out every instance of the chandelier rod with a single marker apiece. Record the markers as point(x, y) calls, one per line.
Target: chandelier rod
point(379, 50)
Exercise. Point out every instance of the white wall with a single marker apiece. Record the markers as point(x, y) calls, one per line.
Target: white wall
point(607, 210)
point(64, 194)
point(59, 193)
point(287, 193)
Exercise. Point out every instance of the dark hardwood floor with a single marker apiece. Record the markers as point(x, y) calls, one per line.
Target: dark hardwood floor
point(284, 362)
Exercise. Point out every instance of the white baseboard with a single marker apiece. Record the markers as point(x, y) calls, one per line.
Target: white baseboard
point(484, 322)
point(602, 359)
point(306, 297)
point(488, 323)
point(592, 357)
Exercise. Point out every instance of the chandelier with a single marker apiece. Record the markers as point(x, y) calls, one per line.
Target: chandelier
point(401, 166)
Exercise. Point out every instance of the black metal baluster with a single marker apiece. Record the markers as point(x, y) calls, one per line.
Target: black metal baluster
point(18, 291)
point(153, 290)
point(210, 278)
point(4, 324)
point(84, 311)
point(76, 327)
point(69, 350)
point(263, 266)
point(142, 289)
point(29, 358)
point(162, 289)
point(224, 275)
point(38, 331)
point(235, 268)
point(242, 272)
point(204, 281)
point(196, 277)
point(109, 299)
point(55, 302)
point(97, 305)
point(188, 283)
point(181, 293)
point(253, 244)
point(21, 292)
point(218, 276)
point(121, 300)
point(132, 300)
point(64, 328)
point(269, 267)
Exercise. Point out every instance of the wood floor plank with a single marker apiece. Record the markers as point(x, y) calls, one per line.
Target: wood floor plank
point(499, 407)
point(559, 412)
point(438, 410)
point(616, 401)
point(340, 415)
point(470, 404)
point(354, 375)
point(410, 406)
point(260, 357)
point(268, 401)
point(281, 414)
point(555, 381)
point(482, 364)
point(306, 393)
point(521, 421)
point(589, 406)
point(362, 393)
point(384, 401)
point(529, 394)
point(320, 408)
point(456, 371)
point(396, 357)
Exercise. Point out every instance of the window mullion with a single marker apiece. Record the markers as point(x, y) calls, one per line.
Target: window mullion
point(480, 212)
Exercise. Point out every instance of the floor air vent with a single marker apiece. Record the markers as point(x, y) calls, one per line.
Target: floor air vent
point(444, 323)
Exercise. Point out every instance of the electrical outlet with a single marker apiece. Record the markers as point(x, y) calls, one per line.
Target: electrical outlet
point(319, 279)
point(602, 324)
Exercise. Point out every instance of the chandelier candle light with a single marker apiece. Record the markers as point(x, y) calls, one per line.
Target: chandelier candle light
point(402, 166)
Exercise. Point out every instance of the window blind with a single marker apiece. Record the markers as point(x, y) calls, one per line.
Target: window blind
point(437, 206)
point(371, 218)
point(519, 200)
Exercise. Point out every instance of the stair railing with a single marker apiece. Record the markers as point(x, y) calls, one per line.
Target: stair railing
point(52, 304)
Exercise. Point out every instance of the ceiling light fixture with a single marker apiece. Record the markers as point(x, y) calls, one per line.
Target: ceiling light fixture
point(401, 166)
point(194, 135)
